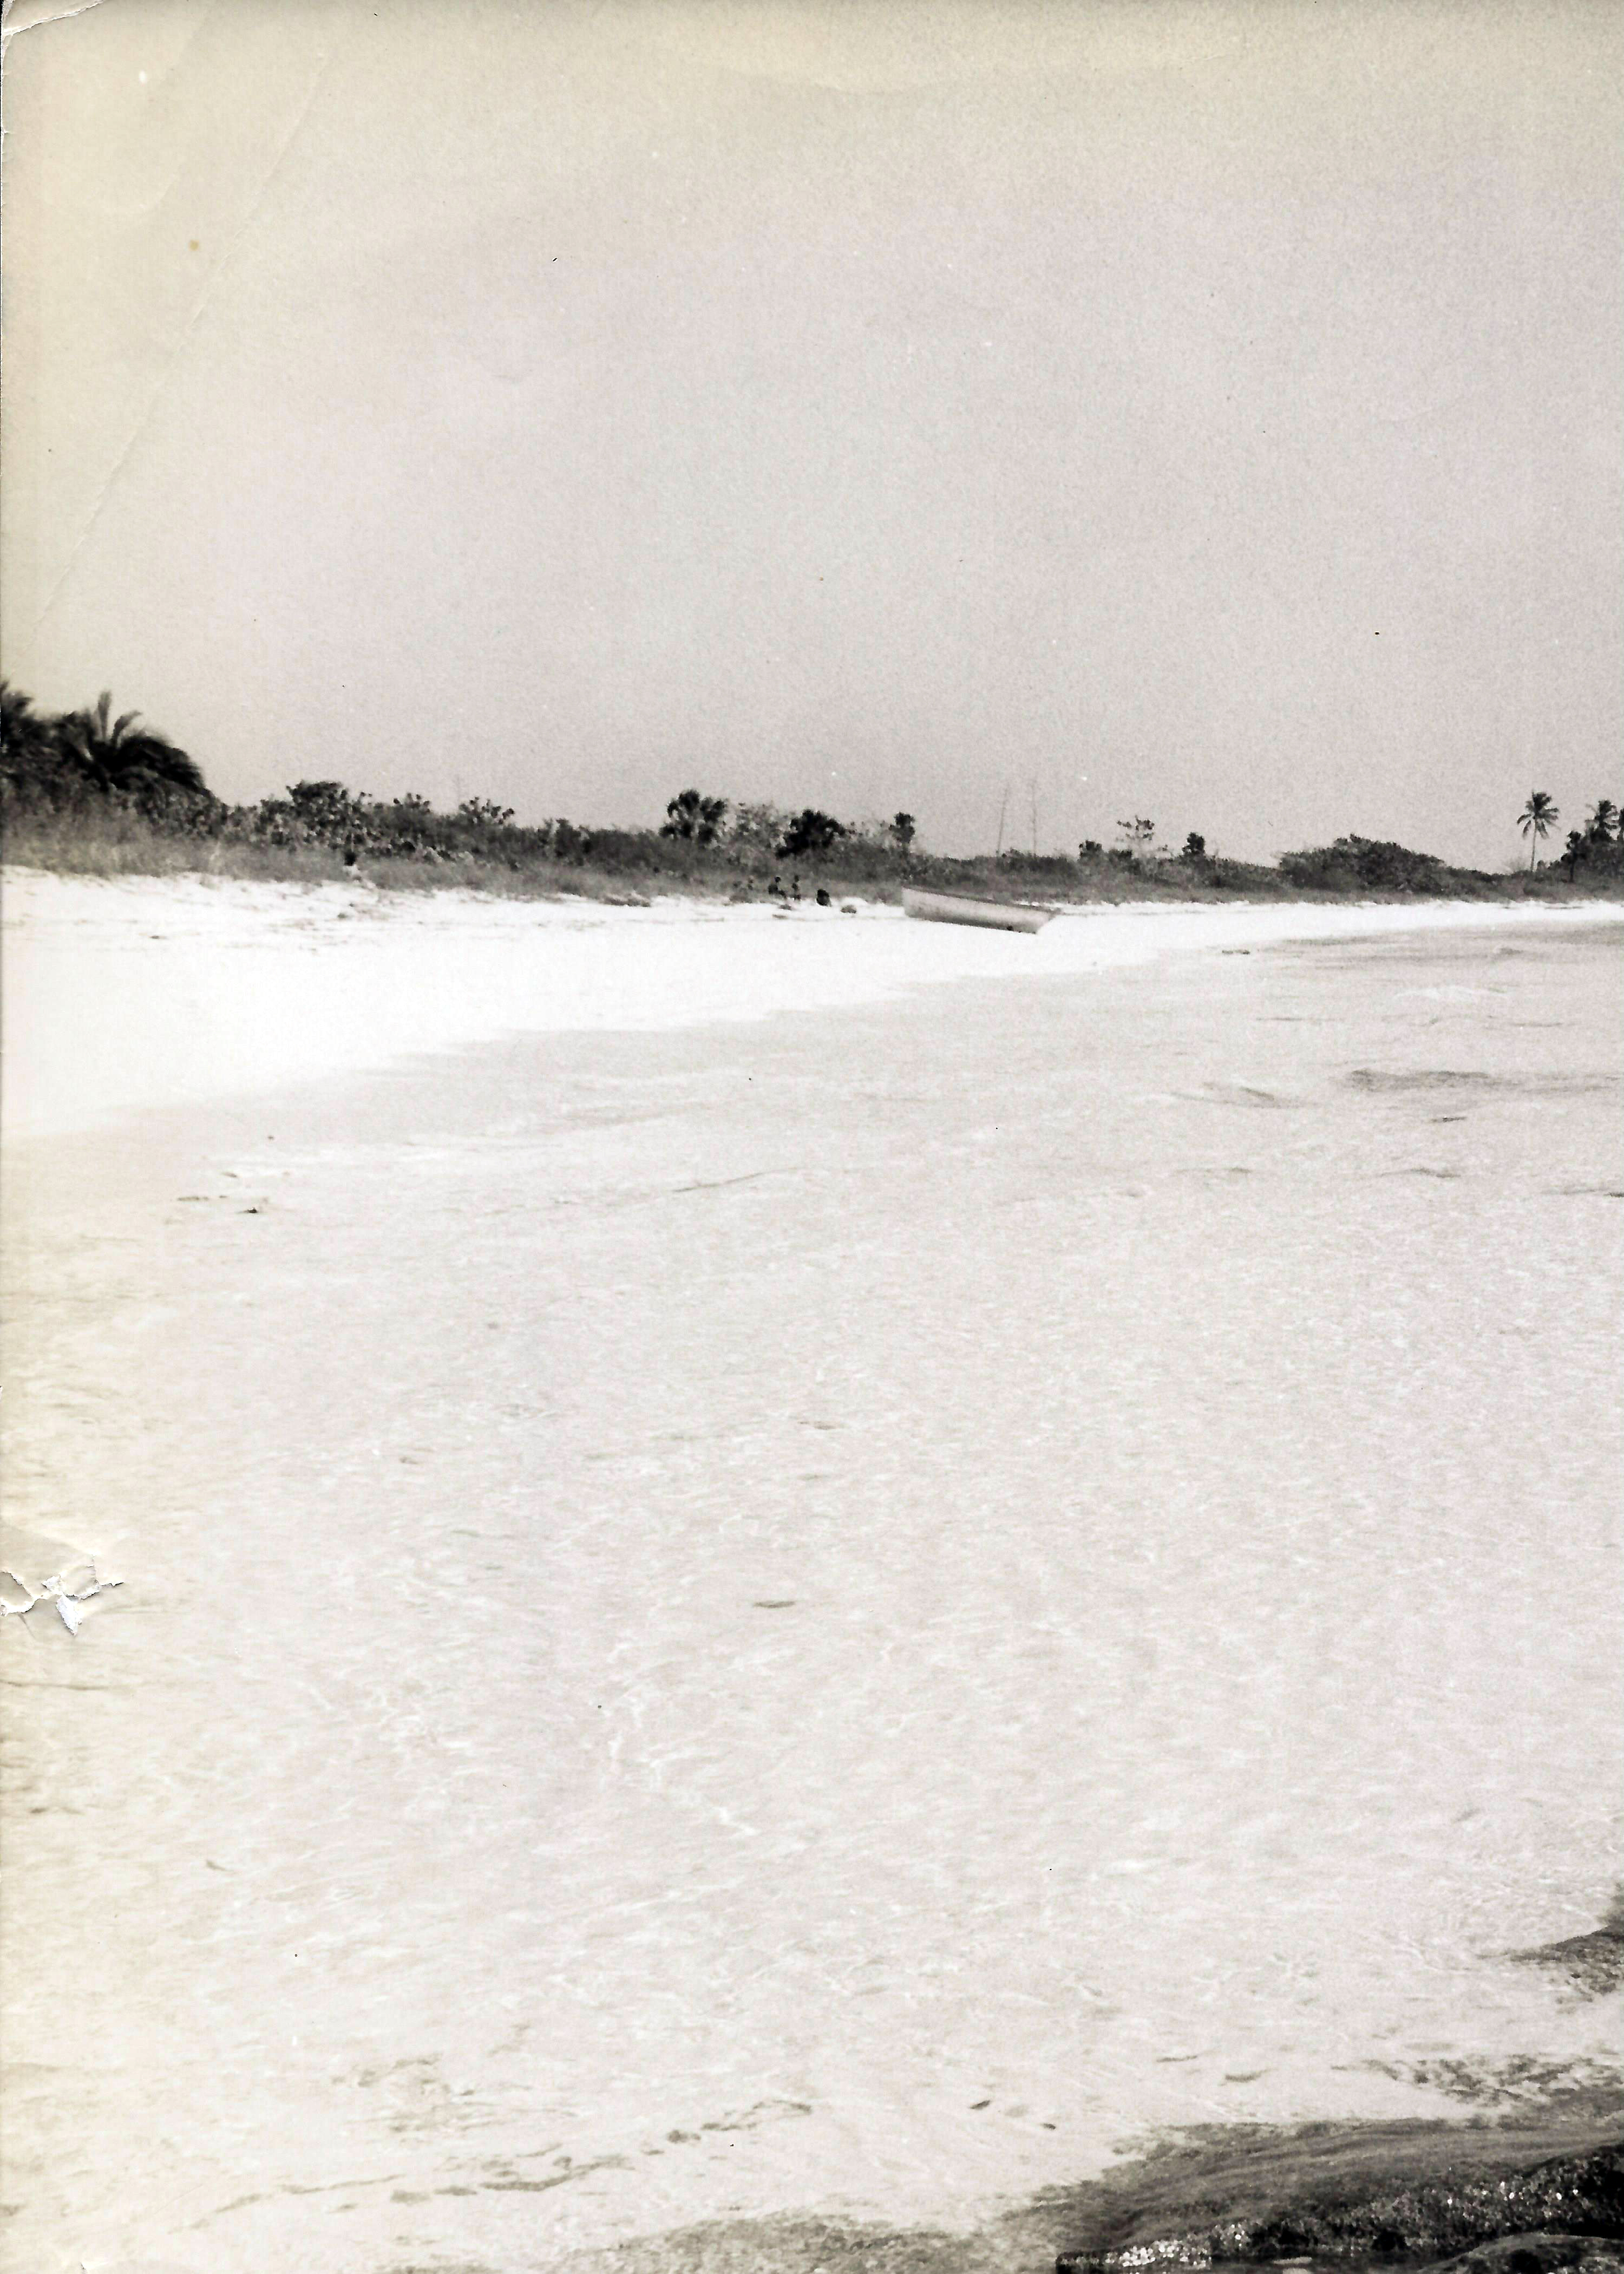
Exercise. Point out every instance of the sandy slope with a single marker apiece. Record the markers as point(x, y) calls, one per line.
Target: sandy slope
point(119, 994)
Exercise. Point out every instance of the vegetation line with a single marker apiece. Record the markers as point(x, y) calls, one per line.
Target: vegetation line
point(85, 793)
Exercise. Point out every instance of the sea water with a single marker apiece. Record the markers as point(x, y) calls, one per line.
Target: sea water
point(851, 1612)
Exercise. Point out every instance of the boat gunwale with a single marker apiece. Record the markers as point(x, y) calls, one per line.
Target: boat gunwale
point(979, 900)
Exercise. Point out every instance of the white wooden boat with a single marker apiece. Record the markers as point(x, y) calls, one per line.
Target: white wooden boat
point(973, 909)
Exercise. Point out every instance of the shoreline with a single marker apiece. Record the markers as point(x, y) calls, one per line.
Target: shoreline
point(122, 995)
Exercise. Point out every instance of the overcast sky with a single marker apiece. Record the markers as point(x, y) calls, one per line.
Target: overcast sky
point(1208, 413)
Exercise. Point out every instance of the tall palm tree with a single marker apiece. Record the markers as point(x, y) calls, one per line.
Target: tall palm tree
point(118, 758)
point(1534, 820)
point(1602, 825)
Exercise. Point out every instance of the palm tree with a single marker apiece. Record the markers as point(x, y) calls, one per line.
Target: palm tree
point(1534, 820)
point(699, 819)
point(30, 750)
point(117, 759)
point(22, 732)
point(1602, 825)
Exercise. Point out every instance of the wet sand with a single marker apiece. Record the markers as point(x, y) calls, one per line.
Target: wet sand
point(830, 1617)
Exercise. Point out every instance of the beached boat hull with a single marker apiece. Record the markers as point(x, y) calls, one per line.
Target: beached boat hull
point(967, 909)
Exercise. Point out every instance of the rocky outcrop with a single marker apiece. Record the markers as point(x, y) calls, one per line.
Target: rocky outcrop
point(1541, 2254)
point(1592, 1965)
point(1469, 2200)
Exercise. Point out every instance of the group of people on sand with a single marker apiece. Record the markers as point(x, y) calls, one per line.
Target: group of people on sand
point(776, 892)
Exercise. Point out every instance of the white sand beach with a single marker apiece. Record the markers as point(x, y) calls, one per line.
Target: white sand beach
point(120, 995)
point(783, 1565)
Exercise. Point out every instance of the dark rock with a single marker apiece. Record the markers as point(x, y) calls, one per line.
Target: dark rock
point(1458, 2194)
point(1542, 2254)
point(1593, 1963)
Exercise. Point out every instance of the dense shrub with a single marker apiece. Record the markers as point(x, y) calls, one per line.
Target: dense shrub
point(86, 791)
point(1355, 863)
point(810, 834)
point(1596, 856)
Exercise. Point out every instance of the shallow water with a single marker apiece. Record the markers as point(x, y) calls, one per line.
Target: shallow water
point(854, 1610)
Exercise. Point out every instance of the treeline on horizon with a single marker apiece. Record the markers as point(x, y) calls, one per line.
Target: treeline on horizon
point(87, 792)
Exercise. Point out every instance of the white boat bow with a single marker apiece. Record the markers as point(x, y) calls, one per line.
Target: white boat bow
point(972, 909)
